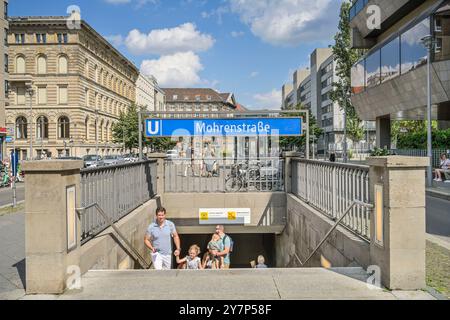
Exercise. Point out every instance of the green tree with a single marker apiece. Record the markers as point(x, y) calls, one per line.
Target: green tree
point(127, 131)
point(345, 58)
point(314, 131)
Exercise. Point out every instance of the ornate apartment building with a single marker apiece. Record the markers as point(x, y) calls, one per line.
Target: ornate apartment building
point(3, 75)
point(67, 88)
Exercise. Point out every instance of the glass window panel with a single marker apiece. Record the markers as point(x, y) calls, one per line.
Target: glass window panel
point(62, 65)
point(442, 32)
point(373, 69)
point(20, 95)
point(42, 95)
point(390, 60)
point(413, 53)
point(358, 83)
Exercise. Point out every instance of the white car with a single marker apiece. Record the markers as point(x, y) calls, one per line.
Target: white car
point(172, 154)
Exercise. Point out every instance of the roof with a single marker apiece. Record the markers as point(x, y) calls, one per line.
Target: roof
point(195, 95)
point(240, 108)
point(62, 21)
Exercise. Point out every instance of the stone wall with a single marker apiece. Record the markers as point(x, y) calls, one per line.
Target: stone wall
point(106, 252)
point(306, 227)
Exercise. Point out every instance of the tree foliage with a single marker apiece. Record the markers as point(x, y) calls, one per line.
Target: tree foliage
point(300, 142)
point(345, 58)
point(127, 131)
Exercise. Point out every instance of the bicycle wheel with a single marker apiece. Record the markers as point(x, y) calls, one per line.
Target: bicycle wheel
point(233, 185)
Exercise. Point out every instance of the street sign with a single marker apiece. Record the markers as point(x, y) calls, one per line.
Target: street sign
point(240, 216)
point(246, 127)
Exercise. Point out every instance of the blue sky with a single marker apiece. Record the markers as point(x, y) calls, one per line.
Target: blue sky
point(249, 47)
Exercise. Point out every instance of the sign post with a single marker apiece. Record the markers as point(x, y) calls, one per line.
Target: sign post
point(14, 162)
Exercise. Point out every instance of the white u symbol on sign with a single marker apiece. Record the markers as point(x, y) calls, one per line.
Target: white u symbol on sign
point(151, 130)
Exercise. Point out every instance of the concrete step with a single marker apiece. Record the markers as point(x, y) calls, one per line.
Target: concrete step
point(236, 284)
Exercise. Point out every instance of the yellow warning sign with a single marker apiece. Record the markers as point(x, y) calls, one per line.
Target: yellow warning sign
point(232, 215)
point(204, 216)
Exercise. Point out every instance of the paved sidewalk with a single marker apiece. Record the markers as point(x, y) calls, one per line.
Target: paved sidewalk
point(12, 256)
point(232, 285)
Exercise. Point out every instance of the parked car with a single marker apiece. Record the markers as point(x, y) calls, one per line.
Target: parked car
point(131, 158)
point(69, 158)
point(93, 161)
point(172, 154)
point(113, 160)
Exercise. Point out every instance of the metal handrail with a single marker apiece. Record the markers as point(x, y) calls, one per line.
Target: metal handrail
point(137, 257)
point(355, 203)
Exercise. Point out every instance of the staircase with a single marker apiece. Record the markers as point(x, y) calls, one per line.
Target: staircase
point(235, 284)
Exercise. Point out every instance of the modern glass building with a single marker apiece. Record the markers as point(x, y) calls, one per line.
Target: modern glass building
point(389, 82)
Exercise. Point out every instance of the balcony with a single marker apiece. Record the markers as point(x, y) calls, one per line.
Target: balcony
point(390, 80)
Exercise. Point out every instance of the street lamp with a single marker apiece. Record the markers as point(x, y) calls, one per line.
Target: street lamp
point(429, 43)
point(31, 93)
point(344, 96)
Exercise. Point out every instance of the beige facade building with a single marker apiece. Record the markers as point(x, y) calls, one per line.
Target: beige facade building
point(78, 84)
point(4, 26)
point(198, 100)
point(149, 95)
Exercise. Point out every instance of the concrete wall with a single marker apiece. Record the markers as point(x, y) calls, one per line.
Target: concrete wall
point(105, 252)
point(306, 227)
point(267, 209)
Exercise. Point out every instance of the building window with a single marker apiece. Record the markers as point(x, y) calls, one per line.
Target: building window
point(41, 38)
point(390, 60)
point(42, 128)
point(6, 37)
point(62, 94)
point(63, 128)
point(42, 65)
point(20, 38)
point(175, 97)
point(42, 95)
point(20, 65)
point(5, 13)
point(20, 92)
point(21, 128)
point(62, 38)
point(86, 95)
point(6, 62)
point(197, 98)
point(414, 53)
point(62, 65)
point(86, 129)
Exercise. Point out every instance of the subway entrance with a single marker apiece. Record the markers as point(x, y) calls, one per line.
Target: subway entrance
point(246, 248)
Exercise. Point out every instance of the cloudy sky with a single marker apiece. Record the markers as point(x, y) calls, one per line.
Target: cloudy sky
point(249, 47)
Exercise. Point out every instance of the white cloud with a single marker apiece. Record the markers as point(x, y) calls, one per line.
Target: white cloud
point(115, 40)
point(254, 74)
point(288, 22)
point(177, 70)
point(237, 34)
point(183, 38)
point(269, 100)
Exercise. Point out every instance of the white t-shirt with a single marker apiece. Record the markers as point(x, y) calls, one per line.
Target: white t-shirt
point(193, 264)
point(445, 164)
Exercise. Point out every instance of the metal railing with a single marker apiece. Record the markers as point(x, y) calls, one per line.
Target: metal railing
point(331, 188)
point(224, 175)
point(118, 190)
point(132, 252)
point(423, 153)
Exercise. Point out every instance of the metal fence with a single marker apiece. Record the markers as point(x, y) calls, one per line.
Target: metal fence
point(224, 175)
point(331, 188)
point(118, 190)
point(423, 153)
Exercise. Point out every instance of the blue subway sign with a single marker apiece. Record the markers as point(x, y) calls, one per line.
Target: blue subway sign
point(247, 127)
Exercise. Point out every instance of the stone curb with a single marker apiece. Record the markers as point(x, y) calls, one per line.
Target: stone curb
point(10, 205)
point(438, 194)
